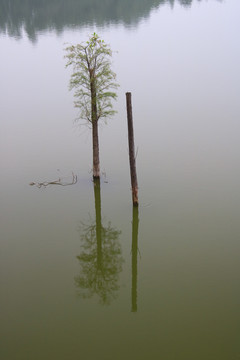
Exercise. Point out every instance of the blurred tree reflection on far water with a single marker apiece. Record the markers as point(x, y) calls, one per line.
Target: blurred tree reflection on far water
point(35, 16)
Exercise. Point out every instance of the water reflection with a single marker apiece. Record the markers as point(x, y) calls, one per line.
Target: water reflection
point(135, 222)
point(35, 16)
point(100, 259)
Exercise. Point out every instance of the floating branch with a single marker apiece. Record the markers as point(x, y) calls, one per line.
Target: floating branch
point(55, 182)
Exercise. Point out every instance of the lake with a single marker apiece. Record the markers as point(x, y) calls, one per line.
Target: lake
point(83, 274)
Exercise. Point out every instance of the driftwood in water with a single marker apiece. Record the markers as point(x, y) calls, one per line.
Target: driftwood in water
point(55, 182)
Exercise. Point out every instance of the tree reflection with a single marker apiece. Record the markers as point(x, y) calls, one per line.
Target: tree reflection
point(135, 222)
point(100, 258)
point(35, 16)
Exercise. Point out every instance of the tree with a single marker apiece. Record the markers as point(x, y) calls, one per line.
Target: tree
point(94, 82)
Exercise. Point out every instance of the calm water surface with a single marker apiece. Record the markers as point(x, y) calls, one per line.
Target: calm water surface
point(83, 276)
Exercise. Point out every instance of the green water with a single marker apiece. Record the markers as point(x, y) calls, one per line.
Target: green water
point(83, 274)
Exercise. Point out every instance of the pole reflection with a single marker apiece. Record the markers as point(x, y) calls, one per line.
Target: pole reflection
point(135, 223)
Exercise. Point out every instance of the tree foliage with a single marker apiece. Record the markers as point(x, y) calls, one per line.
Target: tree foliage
point(92, 79)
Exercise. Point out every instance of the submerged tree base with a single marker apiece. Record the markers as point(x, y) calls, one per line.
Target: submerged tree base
point(135, 197)
point(96, 177)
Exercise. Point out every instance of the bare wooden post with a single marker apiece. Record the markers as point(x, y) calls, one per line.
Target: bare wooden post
point(132, 161)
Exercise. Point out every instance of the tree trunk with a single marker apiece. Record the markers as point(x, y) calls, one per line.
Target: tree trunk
point(96, 164)
point(95, 143)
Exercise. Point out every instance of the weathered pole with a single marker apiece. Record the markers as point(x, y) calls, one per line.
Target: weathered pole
point(132, 159)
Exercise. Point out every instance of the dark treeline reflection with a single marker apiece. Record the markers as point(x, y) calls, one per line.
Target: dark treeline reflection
point(100, 258)
point(135, 222)
point(35, 16)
